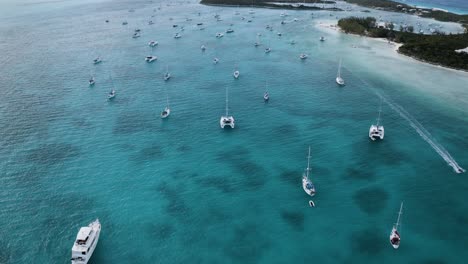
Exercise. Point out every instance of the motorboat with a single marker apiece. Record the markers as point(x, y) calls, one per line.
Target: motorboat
point(150, 58)
point(177, 35)
point(229, 30)
point(111, 94)
point(303, 56)
point(124, 23)
point(91, 81)
point(153, 43)
point(268, 50)
point(395, 238)
point(136, 35)
point(97, 60)
point(307, 184)
point(219, 35)
point(85, 243)
point(215, 61)
point(166, 112)
point(236, 74)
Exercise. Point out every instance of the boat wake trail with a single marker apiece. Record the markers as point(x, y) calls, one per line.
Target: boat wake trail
point(420, 130)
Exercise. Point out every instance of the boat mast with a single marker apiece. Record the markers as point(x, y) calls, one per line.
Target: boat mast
point(399, 214)
point(380, 110)
point(308, 164)
point(227, 101)
point(339, 69)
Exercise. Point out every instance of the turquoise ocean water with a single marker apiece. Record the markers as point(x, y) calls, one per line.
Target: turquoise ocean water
point(183, 190)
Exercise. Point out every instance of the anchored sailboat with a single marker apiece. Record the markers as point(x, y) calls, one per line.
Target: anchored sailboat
point(395, 235)
point(339, 80)
point(266, 96)
point(226, 120)
point(377, 131)
point(167, 111)
point(167, 75)
point(307, 184)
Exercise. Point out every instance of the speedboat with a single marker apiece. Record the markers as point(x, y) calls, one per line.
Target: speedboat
point(85, 243)
point(203, 48)
point(322, 39)
point(167, 76)
point(150, 58)
point(97, 60)
point(153, 43)
point(111, 94)
point(229, 30)
point(219, 35)
point(91, 81)
point(303, 56)
point(136, 35)
point(166, 112)
point(268, 50)
point(177, 35)
point(376, 132)
point(266, 97)
point(215, 60)
point(236, 74)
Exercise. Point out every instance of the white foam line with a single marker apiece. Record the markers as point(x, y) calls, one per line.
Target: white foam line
point(420, 129)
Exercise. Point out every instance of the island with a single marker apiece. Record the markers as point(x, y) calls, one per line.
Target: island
point(438, 48)
point(282, 4)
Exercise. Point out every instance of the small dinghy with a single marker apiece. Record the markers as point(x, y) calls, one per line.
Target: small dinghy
point(311, 203)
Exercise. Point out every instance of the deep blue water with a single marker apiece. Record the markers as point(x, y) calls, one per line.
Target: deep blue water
point(184, 191)
point(456, 6)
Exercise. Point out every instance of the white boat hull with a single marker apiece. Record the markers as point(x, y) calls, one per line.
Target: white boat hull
point(340, 81)
point(305, 182)
point(226, 121)
point(376, 132)
point(395, 238)
point(96, 226)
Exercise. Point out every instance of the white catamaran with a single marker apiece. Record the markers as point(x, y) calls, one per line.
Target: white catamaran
point(339, 80)
point(226, 120)
point(85, 243)
point(307, 184)
point(395, 235)
point(377, 131)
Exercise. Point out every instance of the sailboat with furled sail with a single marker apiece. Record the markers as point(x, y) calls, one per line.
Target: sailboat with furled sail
point(307, 184)
point(395, 235)
point(339, 80)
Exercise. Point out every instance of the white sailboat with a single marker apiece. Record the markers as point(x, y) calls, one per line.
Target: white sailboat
point(167, 75)
point(226, 120)
point(112, 93)
point(307, 184)
point(395, 235)
point(266, 96)
point(91, 81)
point(167, 111)
point(377, 131)
point(85, 243)
point(236, 73)
point(339, 80)
point(303, 56)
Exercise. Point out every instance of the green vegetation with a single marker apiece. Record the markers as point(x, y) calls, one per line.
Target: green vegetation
point(403, 8)
point(267, 3)
point(438, 48)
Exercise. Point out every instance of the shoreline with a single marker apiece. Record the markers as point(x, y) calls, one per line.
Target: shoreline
point(395, 49)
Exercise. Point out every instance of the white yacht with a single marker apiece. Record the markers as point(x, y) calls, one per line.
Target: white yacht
point(167, 75)
point(219, 35)
point(177, 35)
point(307, 184)
point(85, 243)
point(266, 96)
point(153, 43)
point(322, 38)
point(226, 120)
point(303, 56)
point(236, 74)
point(111, 94)
point(229, 30)
point(150, 58)
point(268, 50)
point(339, 80)
point(395, 235)
point(91, 81)
point(377, 131)
point(97, 60)
point(215, 60)
point(167, 111)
